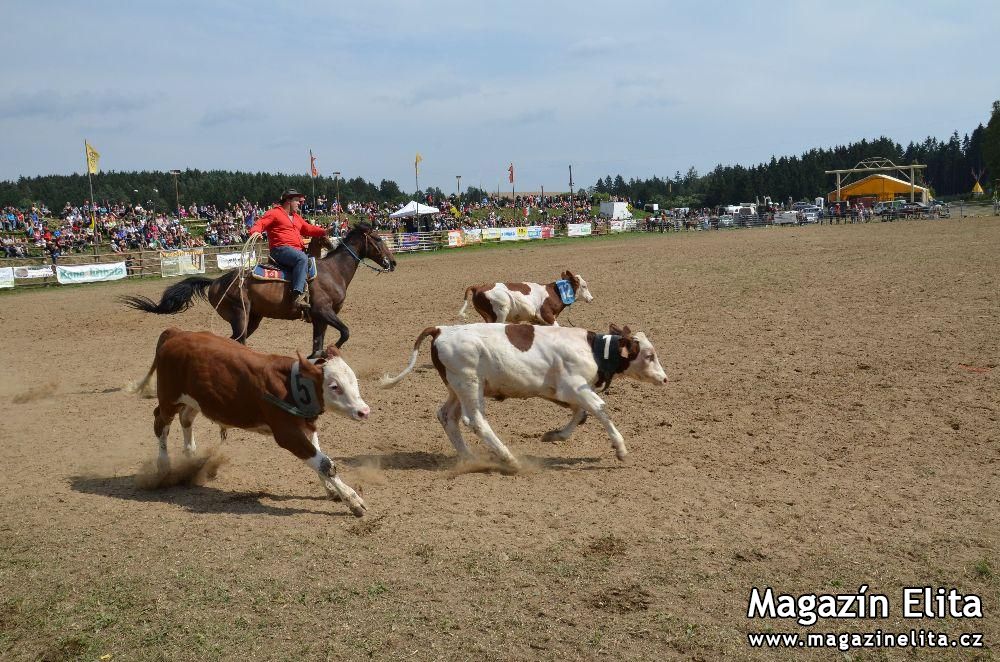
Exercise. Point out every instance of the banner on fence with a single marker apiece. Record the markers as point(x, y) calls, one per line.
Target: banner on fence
point(455, 239)
point(181, 263)
point(534, 231)
point(6, 277)
point(522, 233)
point(617, 226)
point(491, 233)
point(409, 241)
point(473, 235)
point(91, 273)
point(508, 234)
point(548, 232)
point(44, 271)
point(233, 260)
point(578, 229)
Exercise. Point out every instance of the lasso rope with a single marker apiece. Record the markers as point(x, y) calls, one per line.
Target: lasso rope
point(248, 250)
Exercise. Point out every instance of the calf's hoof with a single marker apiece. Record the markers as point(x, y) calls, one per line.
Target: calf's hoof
point(552, 436)
point(358, 508)
point(620, 454)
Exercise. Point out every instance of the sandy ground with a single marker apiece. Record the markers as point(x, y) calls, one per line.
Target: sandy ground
point(831, 423)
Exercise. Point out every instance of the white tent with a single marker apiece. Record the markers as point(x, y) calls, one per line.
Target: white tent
point(412, 209)
point(615, 210)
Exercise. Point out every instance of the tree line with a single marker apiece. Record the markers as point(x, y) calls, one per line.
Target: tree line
point(950, 165)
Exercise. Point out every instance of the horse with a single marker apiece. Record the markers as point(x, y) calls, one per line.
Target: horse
point(244, 302)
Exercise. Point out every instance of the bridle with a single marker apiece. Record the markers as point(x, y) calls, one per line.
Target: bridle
point(359, 259)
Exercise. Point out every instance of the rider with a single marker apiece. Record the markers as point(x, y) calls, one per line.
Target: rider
point(285, 229)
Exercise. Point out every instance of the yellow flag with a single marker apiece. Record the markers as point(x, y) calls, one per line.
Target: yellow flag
point(416, 162)
point(93, 159)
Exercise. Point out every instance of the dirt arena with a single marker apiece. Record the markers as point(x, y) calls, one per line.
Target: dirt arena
point(831, 423)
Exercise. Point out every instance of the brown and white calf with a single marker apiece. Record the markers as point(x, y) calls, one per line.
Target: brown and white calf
point(236, 387)
point(523, 302)
point(476, 361)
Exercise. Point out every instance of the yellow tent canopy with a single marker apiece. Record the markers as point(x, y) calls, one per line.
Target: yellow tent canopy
point(881, 187)
point(977, 189)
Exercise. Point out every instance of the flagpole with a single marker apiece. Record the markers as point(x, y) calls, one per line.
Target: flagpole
point(572, 198)
point(90, 183)
point(312, 177)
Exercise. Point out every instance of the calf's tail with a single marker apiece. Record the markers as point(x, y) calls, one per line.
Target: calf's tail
point(176, 298)
point(465, 301)
point(142, 388)
point(388, 381)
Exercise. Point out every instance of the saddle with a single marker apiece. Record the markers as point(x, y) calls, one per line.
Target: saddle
point(272, 272)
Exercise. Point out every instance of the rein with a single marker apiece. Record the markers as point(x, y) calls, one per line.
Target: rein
point(360, 260)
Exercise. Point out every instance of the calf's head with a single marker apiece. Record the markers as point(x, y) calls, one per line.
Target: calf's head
point(340, 384)
point(643, 364)
point(579, 286)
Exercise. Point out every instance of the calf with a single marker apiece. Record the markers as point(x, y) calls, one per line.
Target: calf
point(524, 302)
point(560, 364)
point(239, 388)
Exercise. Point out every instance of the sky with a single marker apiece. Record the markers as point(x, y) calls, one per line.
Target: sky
point(629, 87)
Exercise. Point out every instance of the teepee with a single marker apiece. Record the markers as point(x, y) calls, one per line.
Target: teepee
point(977, 189)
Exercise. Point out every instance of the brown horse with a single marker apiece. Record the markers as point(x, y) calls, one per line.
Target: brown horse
point(245, 304)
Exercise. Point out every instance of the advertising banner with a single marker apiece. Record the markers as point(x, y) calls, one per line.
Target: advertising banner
point(409, 241)
point(548, 232)
point(455, 239)
point(578, 229)
point(181, 263)
point(473, 235)
point(491, 233)
point(45, 271)
point(534, 232)
point(617, 226)
point(508, 234)
point(6, 277)
point(233, 260)
point(90, 273)
point(522, 233)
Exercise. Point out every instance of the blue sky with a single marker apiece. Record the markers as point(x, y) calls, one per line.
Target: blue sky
point(632, 88)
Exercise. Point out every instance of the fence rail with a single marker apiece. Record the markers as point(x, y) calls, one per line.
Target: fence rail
point(39, 271)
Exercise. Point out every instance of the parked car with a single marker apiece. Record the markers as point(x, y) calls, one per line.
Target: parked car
point(786, 218)
point(810, 217)
point(914, 209)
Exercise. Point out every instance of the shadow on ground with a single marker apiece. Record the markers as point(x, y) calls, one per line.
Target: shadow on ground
point(416, 460)
point(198, 498)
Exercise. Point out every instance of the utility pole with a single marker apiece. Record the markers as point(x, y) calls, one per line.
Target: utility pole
point(572, 197)
point(177, 192)
point(336, 182)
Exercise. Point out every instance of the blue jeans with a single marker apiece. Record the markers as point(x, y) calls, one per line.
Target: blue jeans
point(295, 261)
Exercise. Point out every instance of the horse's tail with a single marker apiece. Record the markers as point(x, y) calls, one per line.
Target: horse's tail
point(176, 298)
point(465, 300)
point(388, 381)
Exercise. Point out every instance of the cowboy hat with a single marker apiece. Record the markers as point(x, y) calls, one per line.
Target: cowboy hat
point(291, 193)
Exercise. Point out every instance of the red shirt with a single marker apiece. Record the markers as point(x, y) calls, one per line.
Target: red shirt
point(284, 231)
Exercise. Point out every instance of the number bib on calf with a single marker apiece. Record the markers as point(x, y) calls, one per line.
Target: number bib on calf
point(270, 271)
point(303, 391)
point(608, 355)
point(566, 292)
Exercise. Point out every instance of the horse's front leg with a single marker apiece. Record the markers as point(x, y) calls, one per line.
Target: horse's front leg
point(321, 320)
